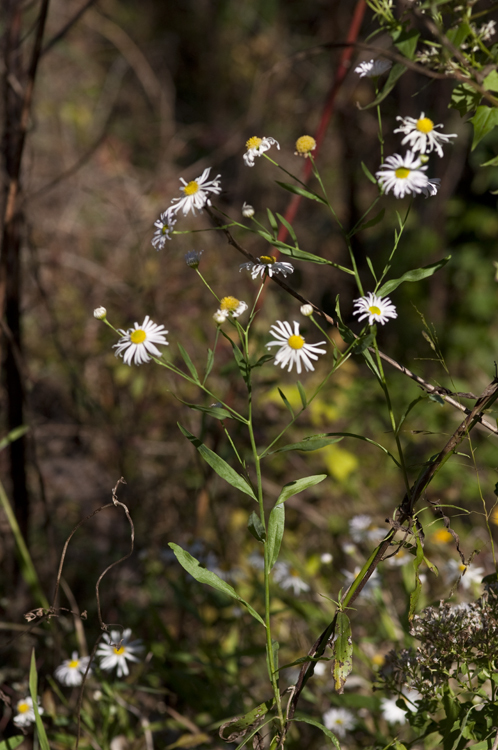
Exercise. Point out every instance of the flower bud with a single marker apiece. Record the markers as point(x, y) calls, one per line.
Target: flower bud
point(307, 310)
point(247, 211)
point(100, 313)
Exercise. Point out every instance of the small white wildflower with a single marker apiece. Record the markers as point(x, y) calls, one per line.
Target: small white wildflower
point(293, 348)
point(193, 258)
point(376, 309)
point(421, 134)
point(257, 146)
point(470, 574)
point(229, 306)
point(138, 343)
point(196, 193)
point(307, 310)
point(373, 68)
point(100, 313)
point(117, 650)
point(71, 671)
point(247, 211)
point(164, 226)
point(219, 317)
point(432, 187)
point(339, 720)
point(25, 712)
point(403, 175)
point(326, 558)
point(288, 578)
point(392, 713)
point(267, 264)
point(362, 528)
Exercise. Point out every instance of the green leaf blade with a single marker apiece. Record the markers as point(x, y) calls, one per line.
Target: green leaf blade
point(416, 275)
point(298, 485)
point(343, 652)
point(276, 526)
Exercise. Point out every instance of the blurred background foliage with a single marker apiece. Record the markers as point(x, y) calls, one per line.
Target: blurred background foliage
point(135, 96)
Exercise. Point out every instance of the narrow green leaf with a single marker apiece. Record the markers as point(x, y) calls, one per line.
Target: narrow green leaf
point(189, 363)
point(286, 402)
point(302, 394)
point(395, 74)
point(298, 716)
point(364, 343)
point(415, 594)
point(232, 730)
point(459, 34)
point(301, 191)
point(376, 220)
point(484, 120)
point(10, 438)
point(298, 485)
point(437, 398)
point(192, 566)
point(416, 275)
point(262, 360)
point(242, 364)
point(276, 526)
point(298, 254)
point(312, 443)
point(288, 226)
point(273, 221)
point(33, 689)
point(218, 412)
point(210, 363)
point(256, 527)
point(343, 652)
point(368, 173)
point(491, 163)
point(220, 466)
point(464, 98)
point(12, 742)
point(406, 42)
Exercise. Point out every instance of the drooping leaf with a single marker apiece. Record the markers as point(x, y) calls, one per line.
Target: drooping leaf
point(395, 74)
point(484, 120)
point(302, 394)
point(256, 527)
point(416, 275)
point(189, 363)
point(220, 466)
point(238, 727)
point(301, 191)
point(276, 526)
point(192, 566)
point(286, 402)
point(312, 443)
point(298, 485)
point(298, 716)
point(343, 652)
point(368, 173)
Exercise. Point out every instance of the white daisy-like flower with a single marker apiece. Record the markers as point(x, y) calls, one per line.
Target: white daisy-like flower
point(229, 306)
point(257, 146)
point(267, 264)
point(164, 226)
point(402, 174)
point(293, 348)
point(326, 558)
point(288, 577)
point(25, 712)
point(373, 68)
point(470, 574)
point(138, 343)
point(376, 309)
point(100, 313)
point(339, 720)
point(117, 650)
point(196, 193)
point(392, 713)
point(432, 187)
point(72, 670)
point(362, 528)
point(421, 134)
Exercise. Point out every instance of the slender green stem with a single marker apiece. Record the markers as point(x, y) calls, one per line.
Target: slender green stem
point(206, 284)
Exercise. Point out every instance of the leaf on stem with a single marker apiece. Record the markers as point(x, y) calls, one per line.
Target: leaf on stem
point(368, 173)
point(298, 716)
point(289, 228)
point(241, 724)
point(276, 525)
point(286, 402)
point(301, 191)
point(302, 394)
point(12, 742)
point(33, 690)
point(396, 72)
point(273, 221)
point(312, 443)
point(484, 120)
point(189, 363)
point(343, 652)
point(256, 527)
point(298, 485)
point(416, 275)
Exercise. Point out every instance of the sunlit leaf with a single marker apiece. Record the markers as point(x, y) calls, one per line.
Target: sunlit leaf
point(312, 443)
point(343, 652)
point(301, 191)
point(416, 275)
point(276, 526)
point(484, 120)
point(298, 485)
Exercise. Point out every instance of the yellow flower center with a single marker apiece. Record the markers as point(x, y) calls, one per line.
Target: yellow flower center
point(293, 571)
point(425, 125)
point(374, 310)
point(119, 651)
point(253, 142)
point(23, 708)
point(442, 536)
point(402, 173)
point(462, 567)
point(305, 144)
point(191, 188)
point(268, 260)
point(165, 228)
point(296, 342)
point(229, 303)
point(138, 336)
point(74, 664)
point(378, 660)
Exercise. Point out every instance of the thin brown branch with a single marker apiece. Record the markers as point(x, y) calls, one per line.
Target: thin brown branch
point(67, 27)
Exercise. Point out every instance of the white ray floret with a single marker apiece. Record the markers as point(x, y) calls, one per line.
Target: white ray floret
point(117, 650)
point(373, 68)
point(293, 348)
point(288, 577)
point(72, 670)
point(25, 712)
point(196, 193)
point(137, 344)
point(340, 721)
point(403, 175)
point(433, 185)
point(267, 264)
point(421, 135)
point(376, 309)
point(164, 226)
point(256, 147)
point(229, 306)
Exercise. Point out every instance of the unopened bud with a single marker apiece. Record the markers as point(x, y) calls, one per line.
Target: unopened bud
point(307, 310)
point(247, 211)
point(100, 313)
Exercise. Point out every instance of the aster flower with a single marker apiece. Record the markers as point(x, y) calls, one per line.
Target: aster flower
point(306, 310)
point(138, 343)
point(421, 134)
point(116, 650)
point(433, 185)
point(362, 528)
point(376, 309)
point(287, 577)
point(339, 720)
point(196, 193)
point(470, 574)
point(402, 174)
point(25, 712)
point(267, 264)
point(72, 670)
point(305, 145)
point(373, 68)
point(193, 258)
point(293, 348)
point(229, 306)
point(257, 146)
point(164, 226)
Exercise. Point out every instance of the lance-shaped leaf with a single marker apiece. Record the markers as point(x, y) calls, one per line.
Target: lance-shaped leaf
point(484, 120)
point(276, 525)
point(189, 363)
point(298, 485)
point(192, 566)
point(312, 443)
point(395, 73)
point(298, 254)
point(220, 466)
point(416, 275)
point(256, 527)
point(343, 652)
point(298, 716)
point(301, 191)
point(33, 690)
point(234, 729)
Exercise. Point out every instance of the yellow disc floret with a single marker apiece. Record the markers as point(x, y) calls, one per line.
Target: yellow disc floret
point(22, 708)
point(304, 145)
point(296, 342)
point(253, 142)
point(374, 310)
point(402, 173)
point(229, 304)
point(191, 188)
point(268, 260)
point(425, 125)
point(119, 651)
point(74, 664)
point(138, 336)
